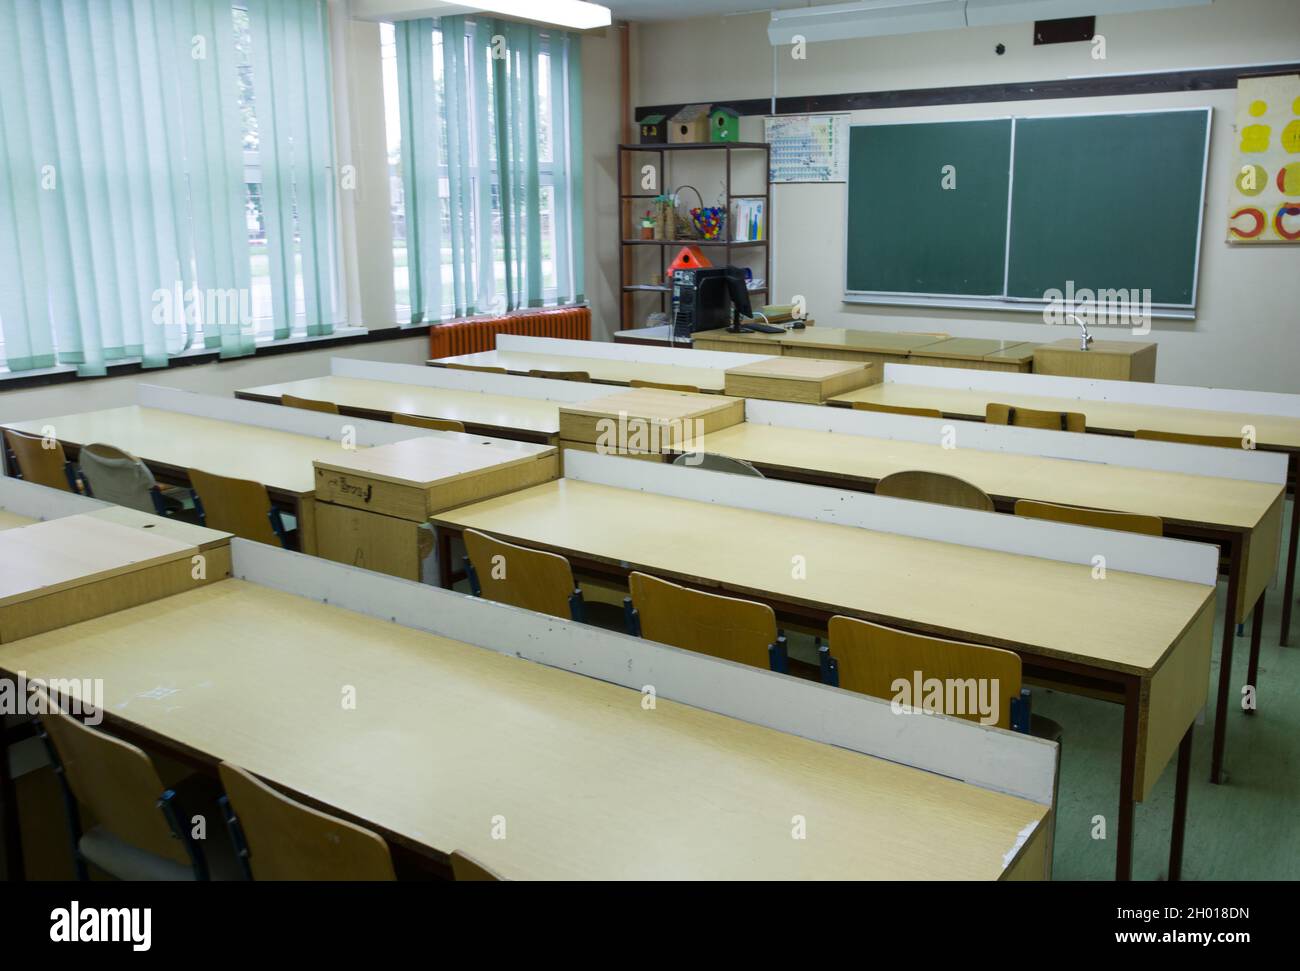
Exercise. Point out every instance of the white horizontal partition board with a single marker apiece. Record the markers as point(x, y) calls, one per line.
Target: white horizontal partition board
point(1092, 389)
point(1154, 556)
point(41, 502)
point(637, 353)
point(366, 433)
point(1223, 463)
point(451, 379)
point(990, 758)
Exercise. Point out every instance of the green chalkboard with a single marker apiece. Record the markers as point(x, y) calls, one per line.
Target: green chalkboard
point(1108, 202)
point(907, 233)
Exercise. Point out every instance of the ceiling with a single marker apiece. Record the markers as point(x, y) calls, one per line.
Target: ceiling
point(680, 9)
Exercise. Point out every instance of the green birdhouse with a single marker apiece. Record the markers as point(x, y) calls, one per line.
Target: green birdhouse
point(724, 124)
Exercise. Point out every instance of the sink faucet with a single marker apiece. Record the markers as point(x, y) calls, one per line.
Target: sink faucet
point(1084, 338)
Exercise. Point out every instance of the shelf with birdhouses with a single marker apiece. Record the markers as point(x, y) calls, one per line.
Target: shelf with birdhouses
point(732, 222)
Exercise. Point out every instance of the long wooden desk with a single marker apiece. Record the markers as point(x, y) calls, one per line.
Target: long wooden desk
point(602, 370)
point(171, 443)
point(498, 415)
point(447, 737)
point(1144, 638)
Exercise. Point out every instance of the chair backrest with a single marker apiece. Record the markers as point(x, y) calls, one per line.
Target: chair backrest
point(286, 840)
point(436, 424)
point(690, 388)
point(1128, 522)
point(897, 409)
point(309, 404)
point(238, 506)
point(873, 660)
point(515, 575)
point(118, 477)
point(1059, 421)
point(735, 630)
point(37, 463)
point(947, 490)
point(560, 375)
point(116, 782)
point(475, 367)
point(716, 463)
point(1218, 441)
point(467, 868)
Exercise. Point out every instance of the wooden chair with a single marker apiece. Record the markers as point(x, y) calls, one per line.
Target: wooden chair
point(688, 388)
point(723, 627)
point(897, 409)
point(474, 367)
point(716, 463)
point(1217, 441)
point(1060, 421)
point(1127, 522)
point(560, 375)
point(871, 659)
point(280, 839)
point(138, 833)
point(309, 404)
point(436, 424)
point(238, 506)
point(466, 868)
point(946, 490)
point(532, 579)
point(47, 466)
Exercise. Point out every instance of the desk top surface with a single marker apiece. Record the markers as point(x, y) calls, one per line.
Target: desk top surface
point(1110, 416)
point(833, 338)
point(978, 349)
point(1173, 496)
point(1127, 622)
point(11, 520)
point(440, 457)
point(446, 736)
point(468, 407)
point(600, 368)
point(279, 460)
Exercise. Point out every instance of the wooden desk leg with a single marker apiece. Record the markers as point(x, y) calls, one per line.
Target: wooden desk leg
point(1180, 806)
point(443, 540)
point(1256, 635)
point(1128, 769)
point(13, 834)
point(1234, 545)
point(1288, 591)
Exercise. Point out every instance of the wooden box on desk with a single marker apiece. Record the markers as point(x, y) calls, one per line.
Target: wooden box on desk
point(373, 507)
point(646, 421)
point(1105, 360)
point(801, 379)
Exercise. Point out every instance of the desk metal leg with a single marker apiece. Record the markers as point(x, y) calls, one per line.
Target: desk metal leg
point(1128, 769)
point(1235, 546)
point(1256, 635)
point(1288, 590)
point(13, 836)
point(1180, 806)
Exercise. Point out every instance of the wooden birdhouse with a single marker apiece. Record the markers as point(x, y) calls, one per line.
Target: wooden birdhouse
point(724, 124)
point(691, 124)
point(654, 130)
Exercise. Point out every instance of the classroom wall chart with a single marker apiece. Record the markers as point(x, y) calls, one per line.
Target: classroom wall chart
point(1264, 206)
point(808, 148)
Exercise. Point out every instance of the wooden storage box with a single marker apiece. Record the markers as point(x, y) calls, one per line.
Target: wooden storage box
point(800, 379)
point(1106, 360)
point(646, 420)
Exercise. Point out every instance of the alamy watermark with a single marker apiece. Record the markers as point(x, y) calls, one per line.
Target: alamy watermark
point(1099, 308)
point(24, 696)
point(636, 435)
point(949, 696)
point(203, 306)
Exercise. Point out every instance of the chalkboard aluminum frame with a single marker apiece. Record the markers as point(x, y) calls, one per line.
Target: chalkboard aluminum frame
point(1024, 304)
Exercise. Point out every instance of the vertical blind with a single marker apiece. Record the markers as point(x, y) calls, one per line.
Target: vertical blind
point(480, 102)
point(123, 222)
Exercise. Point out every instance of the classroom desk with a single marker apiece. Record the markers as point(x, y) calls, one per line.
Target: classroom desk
point(1272, 432)
point(1245, 517)
point(1145, 638)
point(497, 415)
point(827, 343)
point(447, 736)
point(9, 520)
point(602, 370)
point(978, 354)
point(170, 443)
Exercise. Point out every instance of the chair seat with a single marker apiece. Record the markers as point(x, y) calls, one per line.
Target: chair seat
point(1041, 727)
point(126, 862)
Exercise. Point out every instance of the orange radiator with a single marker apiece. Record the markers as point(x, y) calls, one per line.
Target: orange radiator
point(480, 333)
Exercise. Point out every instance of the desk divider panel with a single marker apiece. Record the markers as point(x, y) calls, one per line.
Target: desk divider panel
point(1240, 464)
point(636, 353)
point(991, 758)
point(513, 385)
point(41, 502)
point(1127, 552)
point(1091, 389)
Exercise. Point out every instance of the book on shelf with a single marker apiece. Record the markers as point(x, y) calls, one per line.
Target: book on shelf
point(748, 220)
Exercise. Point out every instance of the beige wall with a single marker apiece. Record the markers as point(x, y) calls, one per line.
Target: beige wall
point(600, 137)
point(1247, 329)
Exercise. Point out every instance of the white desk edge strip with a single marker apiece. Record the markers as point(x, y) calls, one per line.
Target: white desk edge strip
point(635, 353)
point(41, 502)
point(1223, 463)
point(1091, 389)
point(1126, 552)
point(990, 758)
point(512, 385)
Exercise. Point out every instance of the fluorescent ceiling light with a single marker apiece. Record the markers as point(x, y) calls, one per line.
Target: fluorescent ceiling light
point(574, 14)
point(866, 18)
point(980, 13)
